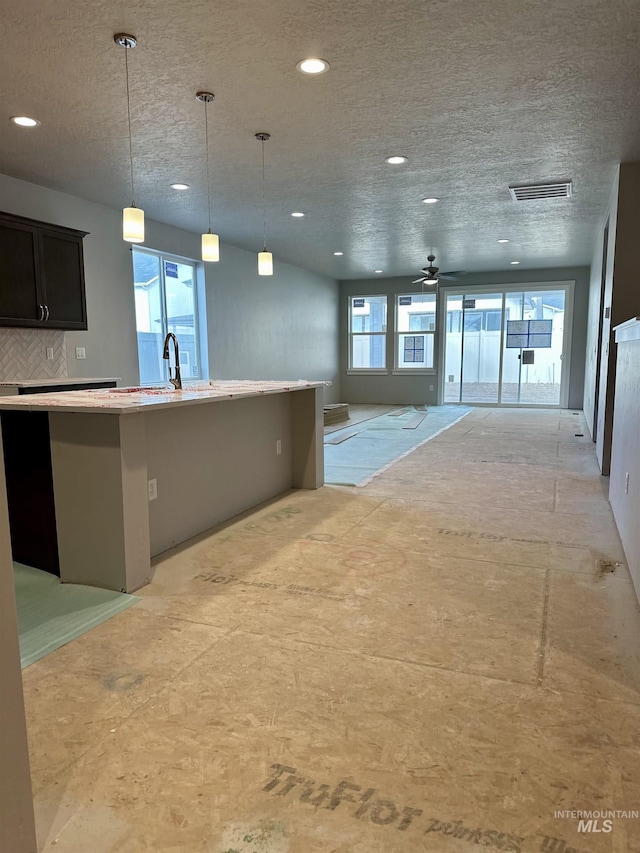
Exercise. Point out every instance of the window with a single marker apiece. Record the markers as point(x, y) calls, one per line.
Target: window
point(422, 322)
point(166, 301)
point(367, 332)
point(454, 321)
point(473, 321)
point(493, 321)
point(415, 313)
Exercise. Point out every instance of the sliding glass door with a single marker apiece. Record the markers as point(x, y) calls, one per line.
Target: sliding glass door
point(507, 346)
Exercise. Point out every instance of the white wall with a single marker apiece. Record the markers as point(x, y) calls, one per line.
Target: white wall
point(597, 289)
point(283, 327)
point(624, 485)
point(620, 300)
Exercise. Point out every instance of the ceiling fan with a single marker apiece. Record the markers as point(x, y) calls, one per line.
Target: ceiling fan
point(431, 275)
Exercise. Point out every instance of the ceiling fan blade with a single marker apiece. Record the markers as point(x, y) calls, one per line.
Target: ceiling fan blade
point(452, 273)
point(418, 281)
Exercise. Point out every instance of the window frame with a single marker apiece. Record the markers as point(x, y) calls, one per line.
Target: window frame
point(414, 371)
point(197, 267)
point(351, 335)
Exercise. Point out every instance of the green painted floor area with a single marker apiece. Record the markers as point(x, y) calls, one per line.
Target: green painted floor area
point(381, 441)
point(51, 614)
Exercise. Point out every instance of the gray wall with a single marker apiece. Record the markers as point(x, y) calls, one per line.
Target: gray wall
point(280, 327)
point(214, 486)
point(358, 388)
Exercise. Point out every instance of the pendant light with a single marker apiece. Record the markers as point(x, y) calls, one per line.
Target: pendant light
point(265, 259)
point(132, 217)
point(210, 241)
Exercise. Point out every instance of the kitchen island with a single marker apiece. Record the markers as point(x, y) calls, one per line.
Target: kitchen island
point(139, 470)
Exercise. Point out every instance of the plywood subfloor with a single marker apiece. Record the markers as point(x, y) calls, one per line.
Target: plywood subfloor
point(360, 412)
point(439, 661)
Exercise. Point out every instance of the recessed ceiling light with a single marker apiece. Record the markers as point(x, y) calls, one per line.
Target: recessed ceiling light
point(180, 187)
point(377, 270)
point(338, 254)
point(514, 263)
point(430, 200)
point(313, 66)
point(24, 121)
point(502, 240)
point(395, 161)
point(297, 214)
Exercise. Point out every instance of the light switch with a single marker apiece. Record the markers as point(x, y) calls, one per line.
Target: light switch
point(80, 352)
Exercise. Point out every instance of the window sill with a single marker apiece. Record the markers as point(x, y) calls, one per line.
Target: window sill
point(367, 371)
point(408, 371)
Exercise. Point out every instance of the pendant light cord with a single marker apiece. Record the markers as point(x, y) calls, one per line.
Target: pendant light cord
point(126, 71)
point(264, 204)
point(206, 136)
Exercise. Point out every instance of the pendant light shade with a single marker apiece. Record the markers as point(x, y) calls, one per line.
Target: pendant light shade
point(132, 217)
point(210, 241)
point(210, 247)
point(133, 225)
point(265, 263)
point(265, 258)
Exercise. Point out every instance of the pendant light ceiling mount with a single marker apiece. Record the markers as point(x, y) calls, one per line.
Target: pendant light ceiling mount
point(132, 217)
point(125, 40)
point(210, 241)
point(265, 258)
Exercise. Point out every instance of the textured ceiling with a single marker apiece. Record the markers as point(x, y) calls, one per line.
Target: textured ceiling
point(476, 95)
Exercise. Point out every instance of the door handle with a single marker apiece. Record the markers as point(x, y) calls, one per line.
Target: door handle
point(46, 308)
point(41, 307)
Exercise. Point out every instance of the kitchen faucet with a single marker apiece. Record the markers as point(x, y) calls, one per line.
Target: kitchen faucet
point(177, 380)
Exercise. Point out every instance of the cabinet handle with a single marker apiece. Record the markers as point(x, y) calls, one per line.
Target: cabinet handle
point(46, 308)
point(41, 317)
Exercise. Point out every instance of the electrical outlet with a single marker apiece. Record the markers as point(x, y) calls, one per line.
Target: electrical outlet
point(49, 353)
point(81, 352)
point(430, 387)
point(626, 483)
point(278, 447)
point(152, 485)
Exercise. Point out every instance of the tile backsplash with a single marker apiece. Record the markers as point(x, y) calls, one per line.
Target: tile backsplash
point(23, 354)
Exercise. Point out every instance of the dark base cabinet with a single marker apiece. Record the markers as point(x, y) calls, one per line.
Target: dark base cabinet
point(32, 513)
point(29, 477)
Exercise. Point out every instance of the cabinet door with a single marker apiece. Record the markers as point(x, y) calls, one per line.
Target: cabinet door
point(19, 302)
point(30, 499)
point(62, 280)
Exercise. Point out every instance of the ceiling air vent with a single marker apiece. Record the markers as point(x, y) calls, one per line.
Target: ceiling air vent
point(535, 192)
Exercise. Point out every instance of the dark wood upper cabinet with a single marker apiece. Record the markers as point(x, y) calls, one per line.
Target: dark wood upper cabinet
point(41, 275)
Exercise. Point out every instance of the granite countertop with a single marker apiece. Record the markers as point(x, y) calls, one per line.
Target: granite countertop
point(59, 380)
point(120, 401)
